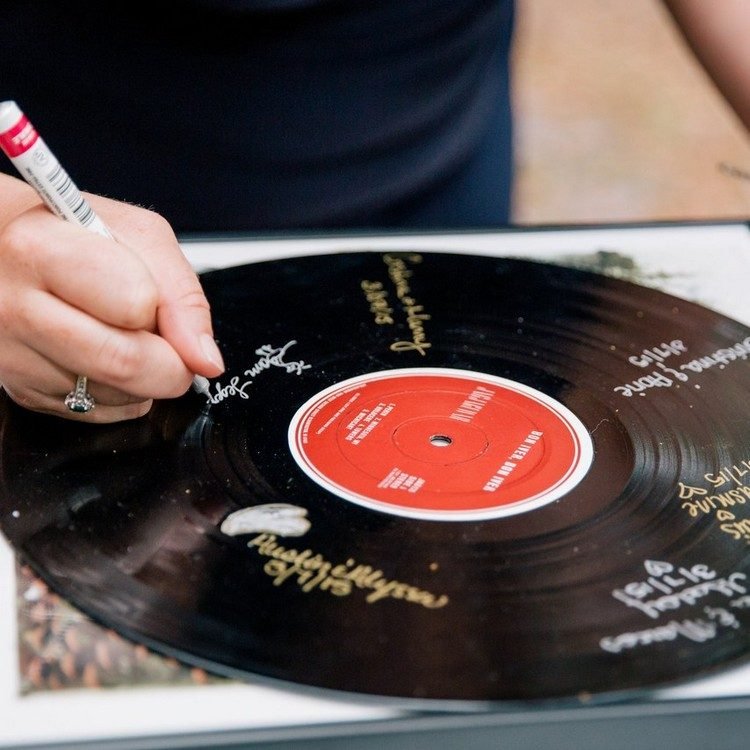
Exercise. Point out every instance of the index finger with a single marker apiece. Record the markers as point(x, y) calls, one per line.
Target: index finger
point(97, 275)
point(183, 314)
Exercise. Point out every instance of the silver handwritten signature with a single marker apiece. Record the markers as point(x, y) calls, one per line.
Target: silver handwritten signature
point(269, 357)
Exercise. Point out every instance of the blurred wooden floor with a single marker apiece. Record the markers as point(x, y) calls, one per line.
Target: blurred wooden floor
point(616, 121)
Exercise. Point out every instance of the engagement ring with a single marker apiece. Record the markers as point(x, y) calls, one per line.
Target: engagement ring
point(80, 400)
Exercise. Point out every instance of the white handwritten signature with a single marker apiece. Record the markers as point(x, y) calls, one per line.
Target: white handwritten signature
point(269, 357)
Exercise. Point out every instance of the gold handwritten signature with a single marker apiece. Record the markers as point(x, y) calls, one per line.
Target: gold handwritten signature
point(310, 571)
point(724, 498)
point(400, 273)
point(416, 317)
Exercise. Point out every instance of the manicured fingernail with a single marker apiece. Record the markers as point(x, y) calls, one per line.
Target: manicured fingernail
point(211, 351)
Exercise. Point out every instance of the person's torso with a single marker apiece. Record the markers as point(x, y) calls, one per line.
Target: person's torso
point(240, 114)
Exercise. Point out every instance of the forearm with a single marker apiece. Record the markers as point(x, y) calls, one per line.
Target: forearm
point(718, 33)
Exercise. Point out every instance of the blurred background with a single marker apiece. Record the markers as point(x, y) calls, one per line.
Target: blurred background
point(617, 122)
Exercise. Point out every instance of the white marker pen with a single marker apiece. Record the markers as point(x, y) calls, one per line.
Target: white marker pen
point(39, 167)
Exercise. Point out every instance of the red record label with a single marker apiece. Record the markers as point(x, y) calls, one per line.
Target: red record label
point(440, 444)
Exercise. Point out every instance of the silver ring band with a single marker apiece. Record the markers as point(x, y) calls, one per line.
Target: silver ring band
point(79, 399)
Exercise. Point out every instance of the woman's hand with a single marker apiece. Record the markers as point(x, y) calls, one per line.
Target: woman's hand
point(128, 313)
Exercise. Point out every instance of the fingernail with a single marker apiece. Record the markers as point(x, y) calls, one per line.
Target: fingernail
point(211, 351)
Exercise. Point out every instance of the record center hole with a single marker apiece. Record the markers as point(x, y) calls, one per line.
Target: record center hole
point(441, 441)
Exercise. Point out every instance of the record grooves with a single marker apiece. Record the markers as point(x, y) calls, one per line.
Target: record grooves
point(423, 476)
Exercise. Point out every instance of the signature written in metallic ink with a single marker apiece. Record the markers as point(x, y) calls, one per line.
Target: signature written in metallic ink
point(268, 357)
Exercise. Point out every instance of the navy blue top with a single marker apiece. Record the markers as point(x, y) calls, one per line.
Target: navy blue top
point(273, 114)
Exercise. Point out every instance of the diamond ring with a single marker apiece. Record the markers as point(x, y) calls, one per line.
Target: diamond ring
point(79, 399)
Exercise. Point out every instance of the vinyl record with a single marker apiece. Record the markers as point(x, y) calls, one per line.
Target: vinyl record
point(422, 476)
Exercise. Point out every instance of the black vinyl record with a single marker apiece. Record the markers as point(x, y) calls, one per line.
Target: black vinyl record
point(422, 476)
